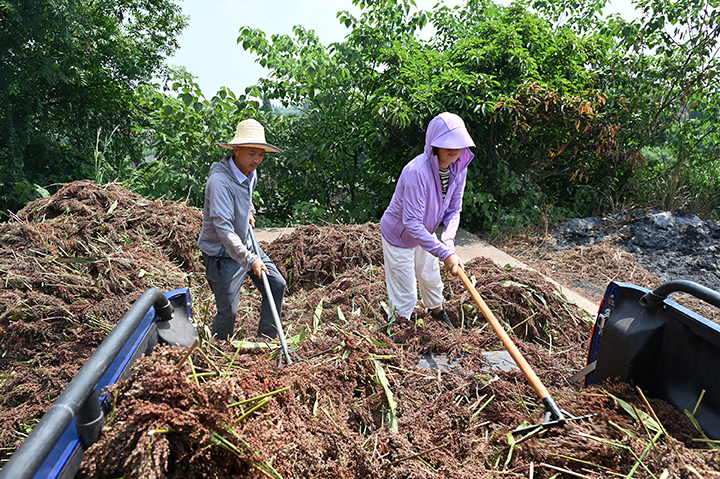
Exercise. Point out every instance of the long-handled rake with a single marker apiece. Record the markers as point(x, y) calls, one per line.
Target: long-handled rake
point(554, 415)
point(269, 297)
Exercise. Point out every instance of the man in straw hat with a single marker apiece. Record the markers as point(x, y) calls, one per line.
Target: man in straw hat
point(225, 239)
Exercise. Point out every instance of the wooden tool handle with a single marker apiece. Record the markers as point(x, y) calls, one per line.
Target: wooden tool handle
point(505, 338)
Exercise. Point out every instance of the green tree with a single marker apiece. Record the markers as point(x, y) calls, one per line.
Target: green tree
point(68, 73)
point(331, 156)
point(661, 79)
point(367, 101)
point(527, 94)
point(180, 129)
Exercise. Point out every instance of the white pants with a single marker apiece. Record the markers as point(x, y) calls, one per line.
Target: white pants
point(403, 268)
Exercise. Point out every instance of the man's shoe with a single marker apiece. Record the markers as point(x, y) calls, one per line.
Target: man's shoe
point(443, 317)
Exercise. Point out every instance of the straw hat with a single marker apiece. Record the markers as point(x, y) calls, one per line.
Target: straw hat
point(250, 133)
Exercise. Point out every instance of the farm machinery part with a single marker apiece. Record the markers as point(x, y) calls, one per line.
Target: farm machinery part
point(667, 350)
point(55, 447)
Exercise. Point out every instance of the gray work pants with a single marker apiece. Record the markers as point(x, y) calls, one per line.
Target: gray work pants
point(226, 277)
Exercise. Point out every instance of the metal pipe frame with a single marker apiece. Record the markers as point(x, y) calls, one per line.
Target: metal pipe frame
point(80, 396)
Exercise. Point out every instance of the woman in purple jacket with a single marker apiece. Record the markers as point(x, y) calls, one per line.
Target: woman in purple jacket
point(429, 192)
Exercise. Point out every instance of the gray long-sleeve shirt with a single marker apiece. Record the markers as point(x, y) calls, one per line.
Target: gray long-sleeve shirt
point(226, 215)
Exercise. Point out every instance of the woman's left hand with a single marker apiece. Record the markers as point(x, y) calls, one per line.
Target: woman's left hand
point(452, 263)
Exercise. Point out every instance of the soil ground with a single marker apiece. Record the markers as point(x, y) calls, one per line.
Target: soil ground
point(358, 404)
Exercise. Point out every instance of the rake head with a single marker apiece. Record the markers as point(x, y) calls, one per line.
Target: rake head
point(287, 356)
point(554, 417)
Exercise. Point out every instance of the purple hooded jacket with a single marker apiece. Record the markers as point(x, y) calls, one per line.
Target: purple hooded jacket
point(417, 207)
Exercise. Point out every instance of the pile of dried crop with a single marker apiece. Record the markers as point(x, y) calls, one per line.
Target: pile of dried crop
point(357, 405)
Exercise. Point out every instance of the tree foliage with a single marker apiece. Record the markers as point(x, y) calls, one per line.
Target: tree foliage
point(181, 128)
point(661, 74)
point(573, 113)
point(68, 73)
point(328, 160)
point(561, 101)
point(367, 101)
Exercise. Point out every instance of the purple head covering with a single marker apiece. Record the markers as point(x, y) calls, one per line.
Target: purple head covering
point(447, 131)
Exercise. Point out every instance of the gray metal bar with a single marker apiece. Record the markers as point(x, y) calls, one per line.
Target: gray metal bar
point(658, 295)
point(268, 292)
point(90, 419)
